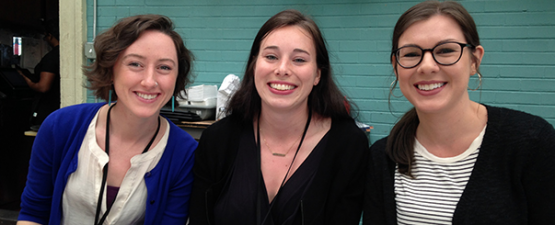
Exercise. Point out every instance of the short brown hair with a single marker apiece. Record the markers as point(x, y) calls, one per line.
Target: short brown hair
point(116, 39)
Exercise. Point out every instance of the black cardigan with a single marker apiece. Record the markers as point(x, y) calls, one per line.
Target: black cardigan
point(335, 196)
point(513, 180)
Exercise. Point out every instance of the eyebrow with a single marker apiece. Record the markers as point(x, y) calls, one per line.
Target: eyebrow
point(295, 50)
point(438, 43)
point(142, 57)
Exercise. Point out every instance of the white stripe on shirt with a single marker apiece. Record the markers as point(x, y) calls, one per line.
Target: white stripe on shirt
point(431, 198)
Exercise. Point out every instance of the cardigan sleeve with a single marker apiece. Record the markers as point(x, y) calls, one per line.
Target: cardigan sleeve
point(199, 207)
point(37, 196)
point(213, 158)
point(350, 204)
point(176, 204)
point(374, 195)
point(539, 176)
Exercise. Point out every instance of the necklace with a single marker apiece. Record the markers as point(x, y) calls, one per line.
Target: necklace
point(277, 153)
point(105, 170)
point(258, 213)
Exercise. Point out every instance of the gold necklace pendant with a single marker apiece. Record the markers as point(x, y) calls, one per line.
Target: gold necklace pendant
point(278, 154)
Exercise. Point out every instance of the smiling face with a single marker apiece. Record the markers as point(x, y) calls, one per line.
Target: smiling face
point(431, 87)
point(145, 74)
point(286, 69)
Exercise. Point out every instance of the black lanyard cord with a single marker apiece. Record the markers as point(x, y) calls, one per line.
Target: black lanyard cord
point(288, 170)
point(105, 169)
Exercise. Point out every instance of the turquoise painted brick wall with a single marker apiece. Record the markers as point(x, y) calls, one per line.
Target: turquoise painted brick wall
point(518, 37)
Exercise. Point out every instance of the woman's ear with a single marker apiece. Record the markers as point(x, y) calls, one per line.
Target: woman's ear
point(318, 76)
point(478, 54)
point(394, 64)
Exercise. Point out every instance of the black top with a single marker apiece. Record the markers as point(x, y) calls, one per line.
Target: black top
point(512, 182)
point(334, 196)
point(238, 203)
point(48, 102)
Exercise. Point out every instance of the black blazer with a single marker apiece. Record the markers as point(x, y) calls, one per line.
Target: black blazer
point(334, 197)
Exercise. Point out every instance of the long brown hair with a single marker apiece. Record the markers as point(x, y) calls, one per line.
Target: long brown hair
point(325, 98)
point(401, 140)
point(116, 39)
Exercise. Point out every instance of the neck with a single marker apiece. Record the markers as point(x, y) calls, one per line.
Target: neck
point(449, 128)
point(127, 126)
point(283, 124)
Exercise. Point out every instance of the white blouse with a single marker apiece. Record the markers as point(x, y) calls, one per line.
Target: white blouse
point(83, 186)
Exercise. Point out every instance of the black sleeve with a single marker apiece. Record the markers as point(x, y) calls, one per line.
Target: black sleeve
point(539, 179)
point(200, 208)
point(214, 158)
point(348, 208)
point(51, 62)
point(374, 205)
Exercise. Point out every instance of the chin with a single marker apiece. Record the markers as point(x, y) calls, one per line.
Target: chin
point(146, 113)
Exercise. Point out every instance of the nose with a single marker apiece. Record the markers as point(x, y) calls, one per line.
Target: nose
point(149, 79)
point(283, 67)
point(428, 63)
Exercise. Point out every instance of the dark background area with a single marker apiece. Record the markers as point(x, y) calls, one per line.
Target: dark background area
point(23, 17)
point(27, 14)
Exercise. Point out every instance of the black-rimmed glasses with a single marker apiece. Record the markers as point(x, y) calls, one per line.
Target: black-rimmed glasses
point(447, 53)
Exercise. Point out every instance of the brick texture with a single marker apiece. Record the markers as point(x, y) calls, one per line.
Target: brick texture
point(518, 37)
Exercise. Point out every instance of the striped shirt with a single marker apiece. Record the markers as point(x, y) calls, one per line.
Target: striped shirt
point(431, 198)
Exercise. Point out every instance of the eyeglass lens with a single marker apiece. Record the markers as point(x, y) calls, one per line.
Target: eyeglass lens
point(444, 54)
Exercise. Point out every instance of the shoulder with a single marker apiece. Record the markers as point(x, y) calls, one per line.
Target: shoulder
point(379, 145)
point(346, 136)
point(73, 115)
point(180, 140)
point(220, 141)
point(513, 122)
point(225, 127)
point(377, 149)
point(347, 127)
point(53, 56)
point(86, 108)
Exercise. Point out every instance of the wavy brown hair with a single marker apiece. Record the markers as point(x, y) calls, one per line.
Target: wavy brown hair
point(116, 39)
point(325, 98)
point(401, 139)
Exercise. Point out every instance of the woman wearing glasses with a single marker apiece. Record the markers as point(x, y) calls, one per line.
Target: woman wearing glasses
point(450, 160)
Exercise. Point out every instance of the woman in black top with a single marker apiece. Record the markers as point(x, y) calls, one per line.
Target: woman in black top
point(289, 153)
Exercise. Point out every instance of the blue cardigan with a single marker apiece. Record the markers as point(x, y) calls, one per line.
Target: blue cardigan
point(54, 158)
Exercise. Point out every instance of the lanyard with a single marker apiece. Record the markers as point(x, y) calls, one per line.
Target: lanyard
point(259, 202)
point(105, 170)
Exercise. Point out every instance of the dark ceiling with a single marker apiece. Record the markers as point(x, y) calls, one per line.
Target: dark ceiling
point(27, 14)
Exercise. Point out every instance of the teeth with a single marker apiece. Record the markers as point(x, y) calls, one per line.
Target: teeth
point(282, 87)
point(147, 97)
point(429, 87)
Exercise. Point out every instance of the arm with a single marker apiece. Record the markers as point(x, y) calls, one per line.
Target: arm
point(539, 178)
point(26, 223)
point(202, 181)
point(352, 158)
point(373, 194)
point(44, 84)
point(177, 205)
point(36, 198)
point(351, 203)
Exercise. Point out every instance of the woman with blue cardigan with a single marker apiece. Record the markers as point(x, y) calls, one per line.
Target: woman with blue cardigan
point(118, 162)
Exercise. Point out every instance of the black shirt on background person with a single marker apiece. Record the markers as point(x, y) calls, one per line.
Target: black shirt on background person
point(47, 98)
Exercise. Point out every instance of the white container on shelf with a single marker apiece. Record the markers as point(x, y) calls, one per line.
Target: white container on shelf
point(204, 108)
point(201, 92)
